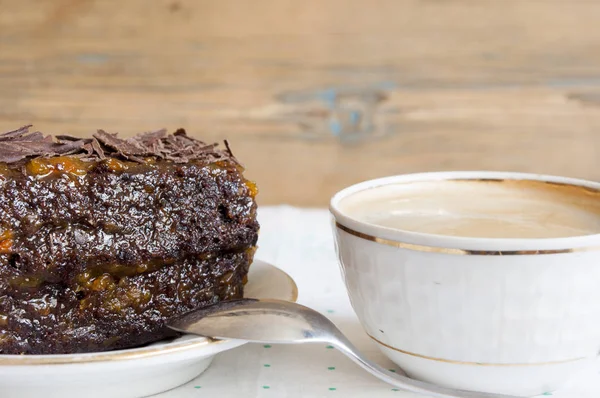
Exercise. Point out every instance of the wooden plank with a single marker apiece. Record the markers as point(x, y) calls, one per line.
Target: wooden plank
point(318, 94)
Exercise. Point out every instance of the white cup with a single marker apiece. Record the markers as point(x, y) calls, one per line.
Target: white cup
point(512, 316)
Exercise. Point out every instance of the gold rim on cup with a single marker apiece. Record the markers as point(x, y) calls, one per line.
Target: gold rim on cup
point(471, 363)
point(463, 252)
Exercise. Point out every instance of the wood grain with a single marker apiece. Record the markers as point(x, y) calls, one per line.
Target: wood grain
point(318, 94)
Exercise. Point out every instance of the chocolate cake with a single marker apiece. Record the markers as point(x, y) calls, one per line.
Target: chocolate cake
point(103, 240)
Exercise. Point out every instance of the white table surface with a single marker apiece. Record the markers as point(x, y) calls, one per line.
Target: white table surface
point(300, 242)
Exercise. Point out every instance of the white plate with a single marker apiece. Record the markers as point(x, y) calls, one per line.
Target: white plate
point(136, 372)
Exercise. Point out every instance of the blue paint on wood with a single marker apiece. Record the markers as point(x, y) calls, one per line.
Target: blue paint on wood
point(329, 96)
point(346, 112)
point(354, 117)
point(335, 127)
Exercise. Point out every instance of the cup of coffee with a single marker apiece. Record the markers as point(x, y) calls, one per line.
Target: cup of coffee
point(483, 281)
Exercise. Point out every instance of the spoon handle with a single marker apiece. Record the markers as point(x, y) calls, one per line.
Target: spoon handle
point(404, 382)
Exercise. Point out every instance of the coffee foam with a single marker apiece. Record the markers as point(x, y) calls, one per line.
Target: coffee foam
point(480, 208)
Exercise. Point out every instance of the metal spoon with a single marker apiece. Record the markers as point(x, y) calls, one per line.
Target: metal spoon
point(283, 322)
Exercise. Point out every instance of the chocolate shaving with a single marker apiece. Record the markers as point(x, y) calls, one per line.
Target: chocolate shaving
point(16, 133)
point(228, 148)
point(124, 147)
point(97, 148)
point(21, 144)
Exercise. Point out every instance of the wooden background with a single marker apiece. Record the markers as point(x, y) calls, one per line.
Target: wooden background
point(318, 94)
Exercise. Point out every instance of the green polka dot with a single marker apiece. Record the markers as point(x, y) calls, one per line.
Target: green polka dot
point(329, 346)
point(331, 368)
point(267, 346)
point(197, 386)
point(392, 370)
point(266, 365)
point(330, 311)
point(547, 393)
point(266, 387)
point(395, 389)
point(332, 388)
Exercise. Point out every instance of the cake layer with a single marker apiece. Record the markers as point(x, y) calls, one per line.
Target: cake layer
point(57, 225)
point(105, 312)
